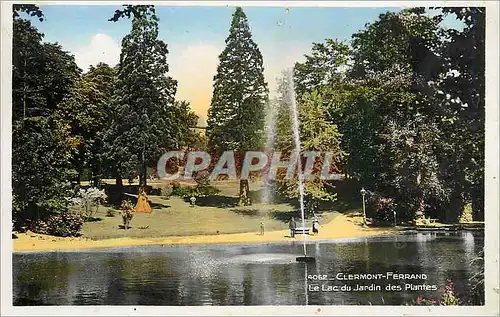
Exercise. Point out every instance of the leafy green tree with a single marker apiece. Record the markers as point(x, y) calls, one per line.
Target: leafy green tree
point(447, 89)
point(459, 90)
point(143, 107)
point(26, 68)
point(317, 133)
point(324, 72)
point(393, 124)
point(188, 135)
point(411, 109)
point(396, 39)
point(40, 169)
point(60, 74)
point(236, 114)
point(30, 9)
point(323, 68)
point(284, 127)
point(42, 145)
point(86, 111)
point(42, 73)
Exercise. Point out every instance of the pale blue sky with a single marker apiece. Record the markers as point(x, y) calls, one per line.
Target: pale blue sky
point(77, 23)
point(196, 37)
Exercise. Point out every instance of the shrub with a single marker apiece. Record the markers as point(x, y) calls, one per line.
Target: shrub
point(88, 200)
point(178, 190)
point(64, 224)
point(466, 215)
point(315, 193)
point(40, 170)
point(203, 187)
point(39, 226)
point(310, 204)
point(166, 191)
point(206, 190)
point(383, 207)
point(127, 214)
point(110, 212)
point(448, 298)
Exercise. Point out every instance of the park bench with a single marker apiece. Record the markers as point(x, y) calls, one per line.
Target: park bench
point(301, 230)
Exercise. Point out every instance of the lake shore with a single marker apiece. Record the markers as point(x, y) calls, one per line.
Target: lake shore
point(340, 227)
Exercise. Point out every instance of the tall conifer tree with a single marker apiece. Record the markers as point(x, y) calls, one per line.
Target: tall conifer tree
point(144, 97)
point(236, 114)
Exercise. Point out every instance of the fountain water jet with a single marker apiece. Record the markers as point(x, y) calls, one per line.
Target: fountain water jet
point(270, 124)
point(296, 137)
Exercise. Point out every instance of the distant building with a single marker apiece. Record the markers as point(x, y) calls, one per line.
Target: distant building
point(201, 126)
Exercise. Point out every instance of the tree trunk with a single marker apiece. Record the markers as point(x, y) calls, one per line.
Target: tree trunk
point(244, 191)
point(119, 185)
point(455, 208)
point(24, 90)
point(420, 212)
point(95, 176)
point(79, 176)
point(119, 180)
point(478, 204)
point(143, 177)
point(457, 201)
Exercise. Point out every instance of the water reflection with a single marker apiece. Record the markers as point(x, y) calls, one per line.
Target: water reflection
point(243, 275)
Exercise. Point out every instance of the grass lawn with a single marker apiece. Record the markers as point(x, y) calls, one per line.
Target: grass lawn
point(175, 217)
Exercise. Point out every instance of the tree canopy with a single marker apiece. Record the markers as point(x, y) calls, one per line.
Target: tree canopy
point(143, 105)
point(236, 113)
point(409, 104)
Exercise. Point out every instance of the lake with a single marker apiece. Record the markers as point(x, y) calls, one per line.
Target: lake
point(364, 271)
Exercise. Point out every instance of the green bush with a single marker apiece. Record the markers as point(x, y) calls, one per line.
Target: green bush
point(64, 224)
point(202, 187)
point(206, 190)
point(381, 208)
point(127, 214)
point(180, 191)
point(39, 226)
point(40, 170)
point(166, 191)
point(466, 215)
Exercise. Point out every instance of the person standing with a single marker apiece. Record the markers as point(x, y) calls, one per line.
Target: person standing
point(315, 225)
point(292, 225)
point(261, 228)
